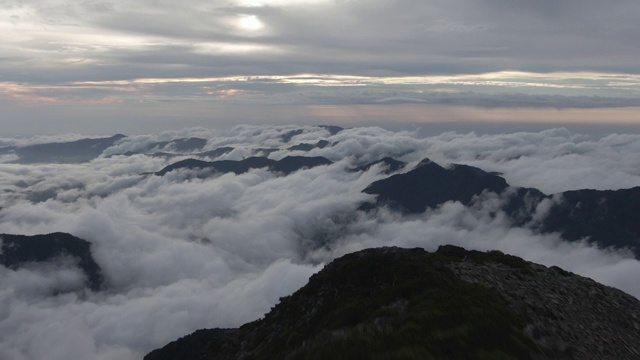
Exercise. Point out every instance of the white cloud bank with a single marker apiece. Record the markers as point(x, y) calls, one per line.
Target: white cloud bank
point(181, 254)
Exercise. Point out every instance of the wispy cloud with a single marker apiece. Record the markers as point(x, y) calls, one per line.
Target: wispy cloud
point(500, 89)
point(299, 52)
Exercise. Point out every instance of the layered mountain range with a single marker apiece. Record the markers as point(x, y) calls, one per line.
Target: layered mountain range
point(603, 217)
point(84, 150)
point(606, 218)
point(285, 166)
point(391, 302)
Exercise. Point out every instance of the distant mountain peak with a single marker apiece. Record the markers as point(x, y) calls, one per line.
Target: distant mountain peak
point(606, 218)
point(425, 162)
point(428, 185)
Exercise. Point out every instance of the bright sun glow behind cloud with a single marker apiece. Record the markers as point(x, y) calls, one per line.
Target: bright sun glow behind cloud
point(261, 3)
point(250, 23)
point(320, 52)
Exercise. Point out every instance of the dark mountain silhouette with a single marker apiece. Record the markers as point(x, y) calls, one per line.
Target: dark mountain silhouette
point(18, 250)
point(393, 303)
point(216, 152)
point(389, 165)
point(606, 218)
point(159, 154)
point(264, 151)
point(176, 147)
point(66, 152)
point(610, 218)
point(308, 147)
point(187, 145)
point(286, 165)
point(7, 150)
point(286, 137)
point(332, 129)
point(429, 185)
point(182, 145)
point(168, 155)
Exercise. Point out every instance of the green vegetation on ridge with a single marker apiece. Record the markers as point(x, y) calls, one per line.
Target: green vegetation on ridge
point(383, 305)
point(387, 303)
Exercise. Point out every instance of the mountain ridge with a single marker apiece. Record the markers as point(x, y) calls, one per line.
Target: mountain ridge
point(19, 250)
point(608, 218)
point(412, 304)
point(286, 165)
point(77, 151)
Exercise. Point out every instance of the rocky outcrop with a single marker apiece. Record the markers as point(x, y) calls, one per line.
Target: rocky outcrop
point(412, 304)
point(568, 315)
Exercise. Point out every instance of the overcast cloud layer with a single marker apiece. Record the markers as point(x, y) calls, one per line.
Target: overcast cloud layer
point(181, 253)
point(78, 64)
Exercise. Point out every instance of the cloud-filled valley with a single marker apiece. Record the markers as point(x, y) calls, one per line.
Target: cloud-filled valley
point(197, 248)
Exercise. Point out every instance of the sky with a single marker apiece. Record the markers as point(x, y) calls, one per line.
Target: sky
point(98, 67)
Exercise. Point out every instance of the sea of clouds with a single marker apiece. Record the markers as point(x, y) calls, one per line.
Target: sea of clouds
point(181, 253)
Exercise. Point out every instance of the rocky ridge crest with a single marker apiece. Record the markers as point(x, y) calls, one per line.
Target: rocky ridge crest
point(412, 304)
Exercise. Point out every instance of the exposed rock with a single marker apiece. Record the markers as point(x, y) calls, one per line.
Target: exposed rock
point(570, 316)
